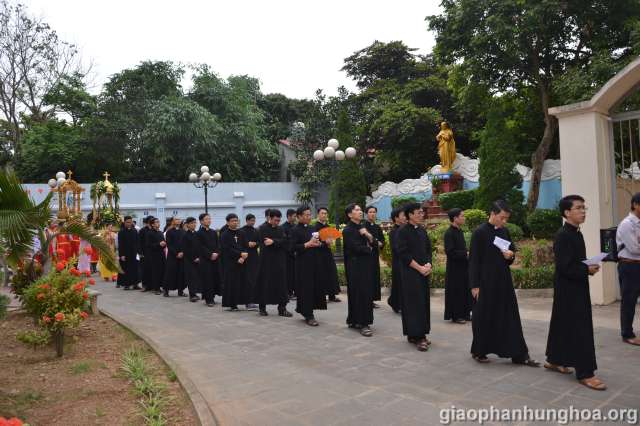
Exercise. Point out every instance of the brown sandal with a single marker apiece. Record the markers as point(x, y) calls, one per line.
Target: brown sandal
point(560, 369)
point(632, 341)
point(594, 383)
point(422, 345)
point(481, 358)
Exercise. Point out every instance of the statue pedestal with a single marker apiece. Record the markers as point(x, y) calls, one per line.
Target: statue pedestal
point(448, 182)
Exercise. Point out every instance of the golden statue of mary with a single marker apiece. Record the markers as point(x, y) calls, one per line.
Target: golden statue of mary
point(446, 147)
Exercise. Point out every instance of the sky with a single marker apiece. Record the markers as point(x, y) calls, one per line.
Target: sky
point(292, 47)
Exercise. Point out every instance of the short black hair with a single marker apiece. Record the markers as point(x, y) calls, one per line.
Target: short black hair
point(153, 220)
point(202, 216)
point(395, 213)
point(274, 213)
point(371, 207)
point(350, 208)
point(323, 208)
point(635, 199)
point(300, 211)
point(127, 218)
point(190, 219)
point(411, 208)
point(231, 216)
point(290, 212)
point(453, 213)
point(145, 219)
point(266, 212)
point(249, 217)
point(566, 203)
point(500, 206)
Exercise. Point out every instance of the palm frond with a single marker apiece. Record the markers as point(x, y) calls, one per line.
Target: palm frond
point(80, 229)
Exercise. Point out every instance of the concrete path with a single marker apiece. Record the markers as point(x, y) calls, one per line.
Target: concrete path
point(252, 370)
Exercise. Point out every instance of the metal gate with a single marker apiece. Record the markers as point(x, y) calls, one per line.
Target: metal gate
point(625, 134)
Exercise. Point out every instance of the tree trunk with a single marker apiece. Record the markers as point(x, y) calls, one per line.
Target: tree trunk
point(541, 152)
point(58, 340)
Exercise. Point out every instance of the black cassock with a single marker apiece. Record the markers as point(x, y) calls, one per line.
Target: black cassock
point(375, 230)
point(395, 296)
point(192, 252)
point(174, 269)
point(413, 243)
point(457, 295)
point(496, 320)
point(252, 263)
point(128, 247)
point(328, 269)
point(144, 263)
point(209, 269)
point(570, 341)
point(155, 257)
point(287, 228)
point(271, 288)
point(357, 264)
point(310, 290)
point(237, 289)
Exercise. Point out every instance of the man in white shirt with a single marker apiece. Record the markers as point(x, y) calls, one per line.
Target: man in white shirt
point(628, 241)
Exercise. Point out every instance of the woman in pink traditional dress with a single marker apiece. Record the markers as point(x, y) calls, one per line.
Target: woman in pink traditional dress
point(84, 257)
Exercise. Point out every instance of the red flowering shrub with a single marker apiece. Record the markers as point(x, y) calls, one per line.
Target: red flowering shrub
point(92, 281)
point(60, 266)
point(57, 299)
point(14, 421)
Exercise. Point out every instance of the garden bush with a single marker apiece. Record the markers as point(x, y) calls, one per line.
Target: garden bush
point(4, 304)
point(458, 199)
point(402, 200)
point(534, 277)
point(474, 218)
point(385, 254)
point(544, 223)
point(515, 231)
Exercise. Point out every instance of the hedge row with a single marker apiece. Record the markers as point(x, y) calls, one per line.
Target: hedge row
point(524, 278)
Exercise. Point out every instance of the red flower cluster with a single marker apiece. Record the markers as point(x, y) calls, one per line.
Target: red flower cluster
point(45, 286)
point(92, 281)
point(79, 286)
point(40, 296)
point(60, 266)
point(84, 315)
point(59, 316)
point(85, 295)
point(14, 421)
point(74, 272)
point(46, 319)
point(87, 273)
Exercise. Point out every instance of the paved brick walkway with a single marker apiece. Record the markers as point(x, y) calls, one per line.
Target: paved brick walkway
point(251, 370)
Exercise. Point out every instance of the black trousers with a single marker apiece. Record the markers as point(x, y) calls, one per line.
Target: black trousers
point(629, 275)
point(583, 374)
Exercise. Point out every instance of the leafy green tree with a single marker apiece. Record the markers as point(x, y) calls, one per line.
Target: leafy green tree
point(348, 185)
point(497, 153)
point(280, 112)
point(509, 46)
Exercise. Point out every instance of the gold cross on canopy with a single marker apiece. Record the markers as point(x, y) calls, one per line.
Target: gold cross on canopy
point(69, 173)
point(106, 175)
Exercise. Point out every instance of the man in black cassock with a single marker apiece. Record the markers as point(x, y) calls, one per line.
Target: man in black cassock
point(174, 270)
point(310, 290)
point(252, 263)
point(154, 254)
point(192, 257)
point(127, 254)
point(142, 246)
point(271, 288)
point(395, 295)
point(208, 268)
point(237, 289)
point(287, 228)
point(570, 342)
point(358, 244)
point(496, 320)
point(457, 296)
point(414, 251)
point(328, 269)
point(374, 229)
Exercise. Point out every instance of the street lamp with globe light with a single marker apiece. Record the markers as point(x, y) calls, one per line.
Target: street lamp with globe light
point(330, 152)
point(206, 180)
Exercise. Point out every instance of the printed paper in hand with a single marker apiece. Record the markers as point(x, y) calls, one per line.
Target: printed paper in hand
point(501, 243)
point(595, 260)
